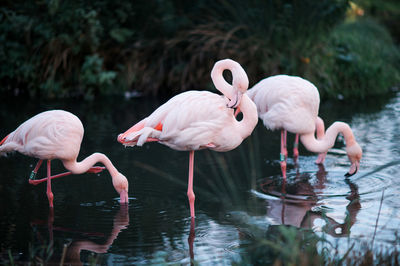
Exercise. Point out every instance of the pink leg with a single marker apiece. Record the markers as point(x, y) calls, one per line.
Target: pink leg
point(296, 148)
point(283, 152)
point(93, 170)
point(38, 181)
point(34, 172)
point(190, 193)
point(285, 144)
point(49, 192)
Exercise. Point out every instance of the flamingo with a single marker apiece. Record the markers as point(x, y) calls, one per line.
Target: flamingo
point(195, 120)
point(291, 104)
point(58, 134)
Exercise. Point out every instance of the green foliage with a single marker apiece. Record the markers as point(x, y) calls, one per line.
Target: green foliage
point(92, 76)
point(266, 37)
point(359, 60)
point(386, 12)
point(84, 48)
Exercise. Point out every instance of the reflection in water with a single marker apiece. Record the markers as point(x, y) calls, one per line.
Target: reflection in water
point(191, 237)
point(295, 203)
point(72, 252)
point(121, 221)
point(159, 231)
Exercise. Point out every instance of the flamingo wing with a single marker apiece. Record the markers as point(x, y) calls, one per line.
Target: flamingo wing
point(188, 121)
point(48, 135)
point(286, 102)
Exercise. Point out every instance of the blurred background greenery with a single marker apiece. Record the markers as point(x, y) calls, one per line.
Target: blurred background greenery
point(56, 49)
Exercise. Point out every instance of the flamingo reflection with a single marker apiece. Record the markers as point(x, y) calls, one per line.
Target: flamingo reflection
point(121, 222)
point(191, 238)
point(295, 204)
point(71, 253)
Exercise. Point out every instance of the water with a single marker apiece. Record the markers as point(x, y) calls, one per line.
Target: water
point(240, 195)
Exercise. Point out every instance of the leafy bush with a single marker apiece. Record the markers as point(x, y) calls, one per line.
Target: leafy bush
point(359, 60)
point(85, 48)
point(386, 12)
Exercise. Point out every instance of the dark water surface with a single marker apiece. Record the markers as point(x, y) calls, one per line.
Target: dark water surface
point(240, 195)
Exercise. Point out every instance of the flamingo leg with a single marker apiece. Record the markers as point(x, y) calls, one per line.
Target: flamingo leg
point(34, 172)
point(50, 195)
point(296, 148)
point(285, 144)
point(92, 170)
point(38, 181)
point(190, 192)
point(283, 153)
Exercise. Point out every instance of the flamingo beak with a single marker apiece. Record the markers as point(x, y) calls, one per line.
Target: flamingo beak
point(123, 197)
point(122, 138)
point(235, 101)
point(353, 169)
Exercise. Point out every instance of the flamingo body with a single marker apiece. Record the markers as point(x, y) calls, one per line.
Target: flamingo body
point(48, 135)
point(58, 134)
point(192, 120)
point(197, 120)
point(291, 104)
point(286, 102)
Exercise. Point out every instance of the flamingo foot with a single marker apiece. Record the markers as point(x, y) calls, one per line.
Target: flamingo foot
point(50, 196)
point(123, 197)
point(95, 169)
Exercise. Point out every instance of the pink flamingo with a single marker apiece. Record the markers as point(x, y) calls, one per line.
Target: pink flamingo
point(196, 120)
point(58, 134)
point(291, 104)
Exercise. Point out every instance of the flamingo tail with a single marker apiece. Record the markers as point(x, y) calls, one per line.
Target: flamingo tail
point(139, 134)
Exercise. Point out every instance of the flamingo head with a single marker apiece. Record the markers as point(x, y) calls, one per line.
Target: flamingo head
point(354, 152)
point(235, 100)
point(121, 185)
point(128, 138)
point(240, 84)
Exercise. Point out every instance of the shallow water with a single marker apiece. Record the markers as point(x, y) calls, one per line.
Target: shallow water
point(240, 195)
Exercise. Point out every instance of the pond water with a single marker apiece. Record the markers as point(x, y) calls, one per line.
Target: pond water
point(241, 198)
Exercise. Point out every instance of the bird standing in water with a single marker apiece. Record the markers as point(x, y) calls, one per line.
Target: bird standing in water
point(291, 104)
point(58, 134)
point(196, 120)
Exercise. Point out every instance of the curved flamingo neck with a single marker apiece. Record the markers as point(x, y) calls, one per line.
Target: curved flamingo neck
point(250, 118)
point(327, 142)
point(240, 81)
point(83, 166)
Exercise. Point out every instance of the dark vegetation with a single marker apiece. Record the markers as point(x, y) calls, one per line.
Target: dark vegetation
point(59, 48)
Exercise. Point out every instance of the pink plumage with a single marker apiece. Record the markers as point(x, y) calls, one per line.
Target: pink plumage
point(48, 135)
point(296, 111)
point(196, 120)
point(291, 104)
point(58, 134)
